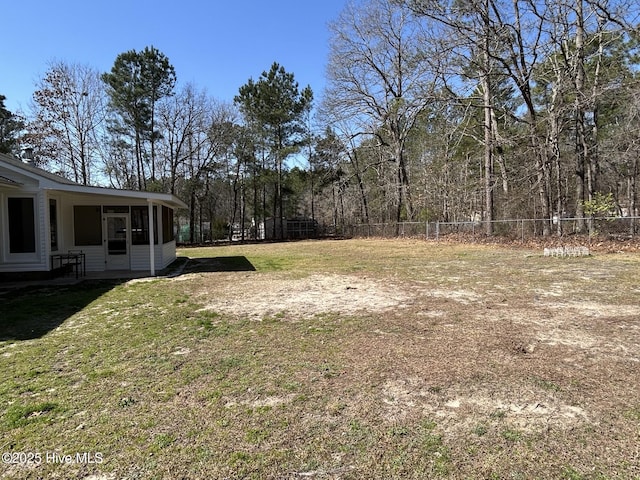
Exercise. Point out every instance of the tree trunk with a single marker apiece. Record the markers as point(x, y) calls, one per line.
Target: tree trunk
point(405, 183)
point(499, 157)
point(400, 198)
point(335, 207)
point(632, 195)
point(488, 157)
point(256, 218)
point(488, 128)
point(363, 196)
point(554, 153)
point(153, 140)
point(274, 213)
point(313, 195)
point(243, 208)
point(542, 178)
point(593, 160)
point(192, 215)
point(234, 208)
point(580, 143)
point(280, 200)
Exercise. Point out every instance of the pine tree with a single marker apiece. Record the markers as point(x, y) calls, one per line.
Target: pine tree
point(137, 81)
point(10, 127)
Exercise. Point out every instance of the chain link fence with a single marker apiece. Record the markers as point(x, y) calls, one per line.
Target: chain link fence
point(610, 227)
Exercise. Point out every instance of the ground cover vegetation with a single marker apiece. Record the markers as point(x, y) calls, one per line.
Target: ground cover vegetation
point(432, 111)
point(331, 359)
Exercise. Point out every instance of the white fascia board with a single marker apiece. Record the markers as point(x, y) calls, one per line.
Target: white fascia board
point(162, 198)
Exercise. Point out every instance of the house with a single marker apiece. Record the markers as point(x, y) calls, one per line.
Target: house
point(44, 216)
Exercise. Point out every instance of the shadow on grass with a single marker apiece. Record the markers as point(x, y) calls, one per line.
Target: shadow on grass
point(32, 312)
point(29, 313)
point(218, 264)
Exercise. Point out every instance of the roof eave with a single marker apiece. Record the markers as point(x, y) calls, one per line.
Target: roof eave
point(9, 183)
point(164, 198)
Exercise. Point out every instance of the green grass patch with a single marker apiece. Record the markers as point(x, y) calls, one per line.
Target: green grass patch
point(570, 473)
point(498, 414)
point(164, 440)
point(511, 435)
point(480, 430)
point(21, 415)
point(633, 414)
point(546, 384)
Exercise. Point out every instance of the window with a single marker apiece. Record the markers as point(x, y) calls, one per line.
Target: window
point(87, 225)
point(140, 225)
point(167, 225)
point(22, 229)
point(53, 223)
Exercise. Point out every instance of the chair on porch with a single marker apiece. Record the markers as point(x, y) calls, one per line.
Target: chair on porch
point(75, 260)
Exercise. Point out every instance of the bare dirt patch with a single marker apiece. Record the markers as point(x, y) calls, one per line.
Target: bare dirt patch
point(269, 295)
point(458, 412)
point(440, 342)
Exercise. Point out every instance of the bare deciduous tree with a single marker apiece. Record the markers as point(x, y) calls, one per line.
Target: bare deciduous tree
point(68, 114)
point(183, 119)
point(380, 81)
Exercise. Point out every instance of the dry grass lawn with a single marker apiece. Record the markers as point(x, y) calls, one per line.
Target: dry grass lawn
point(332, 360)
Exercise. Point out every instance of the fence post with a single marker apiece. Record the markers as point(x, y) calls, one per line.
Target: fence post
point(427, 229)
point(437, 230)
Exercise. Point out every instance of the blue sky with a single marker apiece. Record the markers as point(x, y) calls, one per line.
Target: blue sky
point(216, 45)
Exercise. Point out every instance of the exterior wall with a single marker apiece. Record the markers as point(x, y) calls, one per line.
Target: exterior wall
point(140, 257)
point(168, 253)
point(43, 245)
point(24, 262)
point(95, 255)
point(164, 254)
point(18, 180)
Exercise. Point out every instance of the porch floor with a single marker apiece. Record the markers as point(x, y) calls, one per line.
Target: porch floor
point(72, 280)
point(174, 269)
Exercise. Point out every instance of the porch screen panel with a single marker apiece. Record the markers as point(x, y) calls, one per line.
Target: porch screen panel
point(87, 225)
point(22, 230)
point(140, 225)
point(53, 223)
point(167, 224)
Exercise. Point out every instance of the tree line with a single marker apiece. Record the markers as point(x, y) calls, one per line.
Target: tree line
point(488, 109)
point(433, 110)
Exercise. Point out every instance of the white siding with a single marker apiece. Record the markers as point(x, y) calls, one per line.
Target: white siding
point(25, 262)
point(95, 258)
point(163, 254)
point(95, 255)
point(140, 257)
point(43, 244)
point(168, 253)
